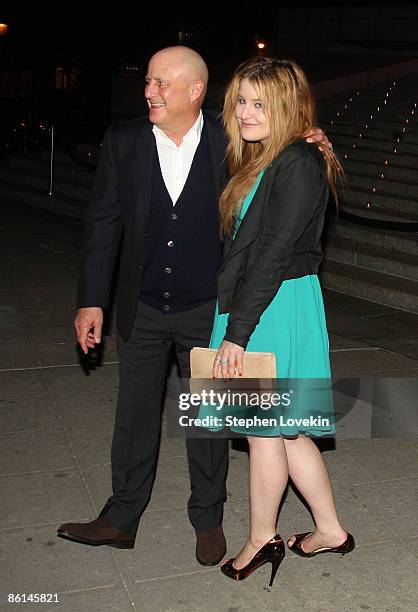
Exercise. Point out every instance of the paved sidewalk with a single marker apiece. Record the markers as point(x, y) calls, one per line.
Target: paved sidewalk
point(55, 434)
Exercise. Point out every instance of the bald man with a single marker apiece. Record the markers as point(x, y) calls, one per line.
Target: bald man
point(157, 186)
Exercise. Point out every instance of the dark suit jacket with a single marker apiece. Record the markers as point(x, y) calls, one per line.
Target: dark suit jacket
point(120, 207)
point(278, 239)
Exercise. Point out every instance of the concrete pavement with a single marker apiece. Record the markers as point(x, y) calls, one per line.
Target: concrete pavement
point(55, 433)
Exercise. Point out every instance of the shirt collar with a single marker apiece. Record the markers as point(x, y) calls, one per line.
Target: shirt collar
point(194, 133)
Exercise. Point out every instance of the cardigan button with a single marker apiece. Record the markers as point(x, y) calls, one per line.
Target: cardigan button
point(173, 216)
point(170, 243)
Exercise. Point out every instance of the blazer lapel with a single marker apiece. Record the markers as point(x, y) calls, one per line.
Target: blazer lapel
point(249, 226)
point(145, 151)
point(217, 145)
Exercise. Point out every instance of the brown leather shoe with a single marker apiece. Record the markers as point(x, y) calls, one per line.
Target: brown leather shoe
point(210, 546)
point(96, 533)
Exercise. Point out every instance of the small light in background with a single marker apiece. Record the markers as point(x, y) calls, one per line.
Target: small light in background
point(260, 44)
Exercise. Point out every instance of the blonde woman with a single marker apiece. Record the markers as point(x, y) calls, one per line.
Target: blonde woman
point(269, 298)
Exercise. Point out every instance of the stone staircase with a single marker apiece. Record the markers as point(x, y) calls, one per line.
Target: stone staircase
point(377, 143)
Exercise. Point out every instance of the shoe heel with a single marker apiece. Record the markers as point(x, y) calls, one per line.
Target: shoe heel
point(350, 547)
point(275, 564)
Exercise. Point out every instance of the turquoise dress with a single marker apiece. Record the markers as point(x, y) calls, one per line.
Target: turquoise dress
point(293, 327)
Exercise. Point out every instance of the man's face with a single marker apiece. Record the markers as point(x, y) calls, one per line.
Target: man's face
point(167, 90)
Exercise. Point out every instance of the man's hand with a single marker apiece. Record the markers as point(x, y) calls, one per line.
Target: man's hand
point(88, 325)
point(228, 361)
point(317, 135)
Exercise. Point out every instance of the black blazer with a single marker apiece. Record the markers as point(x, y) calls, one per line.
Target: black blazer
point(278, 239)
point(120, 207)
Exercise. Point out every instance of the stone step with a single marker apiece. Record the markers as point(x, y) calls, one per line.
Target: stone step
point(344, 250)
point(356, 114)
point(368, 95)
point(374, 92)
point(377, 134)
point(385, 130)
point(378, 212)
point(363, 167)
point(370, 285)
point(403, 83)
point(405, 101)
point(380, 200)
point(401, 103)
point(375, 143)
point(384, 186)
point(361, 152)
point(402, 242)
point(392, 126)
point(351, 114)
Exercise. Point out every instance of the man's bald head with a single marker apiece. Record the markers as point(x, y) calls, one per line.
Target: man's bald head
point(186, 60)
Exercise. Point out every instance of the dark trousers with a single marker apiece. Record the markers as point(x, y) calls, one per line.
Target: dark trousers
point(143, 369)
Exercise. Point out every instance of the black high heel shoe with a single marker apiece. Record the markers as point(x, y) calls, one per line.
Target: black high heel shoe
point(273, 552)
point(344, 548)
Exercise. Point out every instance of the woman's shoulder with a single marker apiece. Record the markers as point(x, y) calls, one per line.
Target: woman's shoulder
point(306, 153)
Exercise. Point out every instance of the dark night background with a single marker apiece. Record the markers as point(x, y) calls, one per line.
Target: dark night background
point(84, 68)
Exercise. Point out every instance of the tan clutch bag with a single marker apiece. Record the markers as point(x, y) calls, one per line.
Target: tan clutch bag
point(256, 365)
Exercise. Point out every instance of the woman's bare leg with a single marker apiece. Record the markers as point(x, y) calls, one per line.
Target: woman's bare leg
point(308, 472)
point(268, 476)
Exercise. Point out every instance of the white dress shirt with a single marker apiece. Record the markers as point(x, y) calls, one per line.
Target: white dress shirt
point(175, 161)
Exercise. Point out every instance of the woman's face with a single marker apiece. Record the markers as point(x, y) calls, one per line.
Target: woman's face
point(253, 123)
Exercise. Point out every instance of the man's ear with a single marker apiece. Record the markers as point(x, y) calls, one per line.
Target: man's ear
point(196, 90)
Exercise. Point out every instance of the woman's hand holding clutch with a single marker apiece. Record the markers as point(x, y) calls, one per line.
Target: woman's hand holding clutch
point(228, 361)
